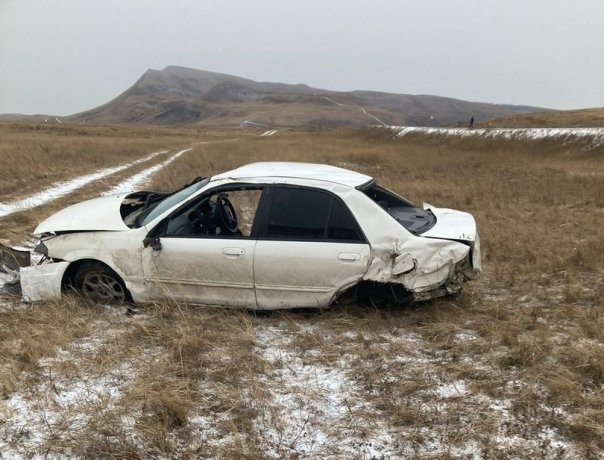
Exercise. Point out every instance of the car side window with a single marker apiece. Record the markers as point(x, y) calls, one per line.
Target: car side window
point(342, 226)
point(222, 214)
point(309, 215)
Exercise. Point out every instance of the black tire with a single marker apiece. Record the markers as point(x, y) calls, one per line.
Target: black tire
point(99, 283)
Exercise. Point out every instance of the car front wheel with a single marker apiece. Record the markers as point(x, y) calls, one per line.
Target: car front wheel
point(99, 283)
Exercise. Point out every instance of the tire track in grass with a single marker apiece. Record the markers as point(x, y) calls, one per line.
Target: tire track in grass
point(68, 187)
point(61, 189)
point(142, 177)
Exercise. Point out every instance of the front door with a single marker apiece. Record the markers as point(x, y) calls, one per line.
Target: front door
point(207, 250)
point(202, 271)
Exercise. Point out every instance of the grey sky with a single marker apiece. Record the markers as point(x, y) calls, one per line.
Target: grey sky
point(65, 56)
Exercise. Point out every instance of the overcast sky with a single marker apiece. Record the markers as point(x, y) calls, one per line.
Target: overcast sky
point(64, 56)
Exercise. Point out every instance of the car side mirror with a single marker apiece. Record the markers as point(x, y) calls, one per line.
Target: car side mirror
point(153, 242)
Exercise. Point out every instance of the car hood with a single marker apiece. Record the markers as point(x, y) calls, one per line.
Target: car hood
point(451, 225)
point(97, 214)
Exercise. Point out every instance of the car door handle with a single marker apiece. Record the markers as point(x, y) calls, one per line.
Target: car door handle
point(348, 257)
point(233, 251)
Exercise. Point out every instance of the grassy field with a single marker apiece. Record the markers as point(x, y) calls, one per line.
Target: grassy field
point(512, 367)
point(567, 118)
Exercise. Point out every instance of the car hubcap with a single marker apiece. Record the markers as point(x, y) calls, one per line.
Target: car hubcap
point(102, 287)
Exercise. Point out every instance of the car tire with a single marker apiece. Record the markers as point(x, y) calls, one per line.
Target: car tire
point(97, 282)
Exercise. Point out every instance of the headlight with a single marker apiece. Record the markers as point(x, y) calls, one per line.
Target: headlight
point(41, 249)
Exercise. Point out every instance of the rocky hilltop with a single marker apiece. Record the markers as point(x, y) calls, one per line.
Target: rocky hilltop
point(184, 96)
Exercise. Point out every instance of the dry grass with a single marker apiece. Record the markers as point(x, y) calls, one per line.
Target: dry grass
point(567, 118)
point(30, 333)
point(34, 155)
point(512, 367)
point(37, 156)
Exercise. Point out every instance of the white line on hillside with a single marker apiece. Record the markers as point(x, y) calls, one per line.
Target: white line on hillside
point(374, 117)
point(60, 189)
point(135, 181)
point(270, 132)
point(248, 122)
point(333, 100)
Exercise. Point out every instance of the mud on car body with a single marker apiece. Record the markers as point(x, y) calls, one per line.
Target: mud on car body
point(266, 235)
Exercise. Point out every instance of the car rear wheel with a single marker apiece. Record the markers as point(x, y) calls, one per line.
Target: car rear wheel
point(99, 283)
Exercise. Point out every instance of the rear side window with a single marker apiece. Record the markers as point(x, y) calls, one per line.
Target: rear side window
point(415, 220)
point(387, 199)
point(309, 215)
point(341, 224)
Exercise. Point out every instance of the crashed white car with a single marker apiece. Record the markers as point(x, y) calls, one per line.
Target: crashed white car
point(263, 236)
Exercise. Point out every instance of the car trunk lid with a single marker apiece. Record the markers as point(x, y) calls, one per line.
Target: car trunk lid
point(457, 226)
point(451, 225)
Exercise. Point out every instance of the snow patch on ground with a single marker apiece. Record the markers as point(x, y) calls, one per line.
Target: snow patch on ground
point(5, 304)
point(60, 189)
point(596, 135)
point(466, 336)
point(317, 409)
point(141, 178)
point(313, 408)
point(270, 132)
point(451, 390)
point(57, 405)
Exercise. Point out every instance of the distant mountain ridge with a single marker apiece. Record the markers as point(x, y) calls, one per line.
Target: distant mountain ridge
point(183, 96)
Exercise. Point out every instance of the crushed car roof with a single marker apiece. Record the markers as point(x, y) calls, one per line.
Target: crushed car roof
point(295, 170)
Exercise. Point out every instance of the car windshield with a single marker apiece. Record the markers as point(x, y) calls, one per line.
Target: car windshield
point(159, 207)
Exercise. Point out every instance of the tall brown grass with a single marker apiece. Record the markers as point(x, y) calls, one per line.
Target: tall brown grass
point(526, 336)
point(35, 155)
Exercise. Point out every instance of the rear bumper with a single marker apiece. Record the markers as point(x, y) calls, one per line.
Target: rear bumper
point(459, 273)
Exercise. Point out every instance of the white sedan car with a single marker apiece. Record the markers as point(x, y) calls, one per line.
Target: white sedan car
point(263, 236)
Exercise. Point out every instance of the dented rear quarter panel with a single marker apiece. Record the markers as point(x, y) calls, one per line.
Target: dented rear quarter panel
point(397, 256)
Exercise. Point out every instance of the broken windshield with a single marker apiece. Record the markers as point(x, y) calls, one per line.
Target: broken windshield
point(159, 207)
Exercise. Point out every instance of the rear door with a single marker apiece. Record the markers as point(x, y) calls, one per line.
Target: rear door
point(309, 247)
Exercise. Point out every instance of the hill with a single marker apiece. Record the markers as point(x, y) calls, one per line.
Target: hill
point(184, 96)
point(18, 117)
point(565, 118)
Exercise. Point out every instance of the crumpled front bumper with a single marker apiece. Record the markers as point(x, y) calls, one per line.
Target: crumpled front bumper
point(42, 282)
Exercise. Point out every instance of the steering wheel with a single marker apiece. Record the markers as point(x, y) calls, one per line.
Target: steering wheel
point(227, 214)
point(148, 200)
